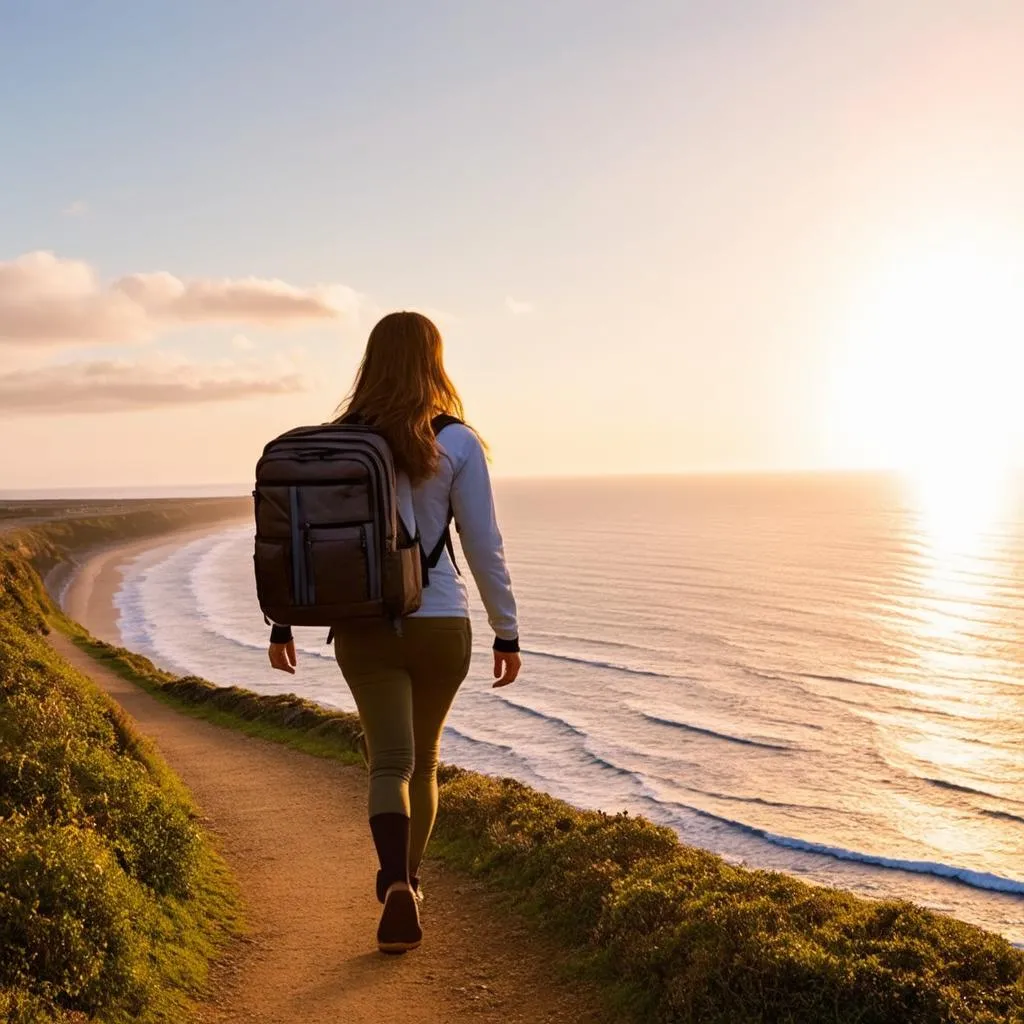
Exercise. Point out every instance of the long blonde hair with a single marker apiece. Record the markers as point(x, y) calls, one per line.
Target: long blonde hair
point(401, 386)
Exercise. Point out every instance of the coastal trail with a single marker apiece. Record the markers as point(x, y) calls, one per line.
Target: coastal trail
point(293, 829)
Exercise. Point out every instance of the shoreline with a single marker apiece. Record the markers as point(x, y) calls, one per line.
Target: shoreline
point(96, 580)
point(86, 590)
point(89, 599)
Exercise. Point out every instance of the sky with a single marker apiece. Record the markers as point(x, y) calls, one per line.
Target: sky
point(664, 237)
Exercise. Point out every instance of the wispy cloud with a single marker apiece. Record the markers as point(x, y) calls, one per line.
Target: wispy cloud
point(48, 300)
point(120, 385)
point(242, 343)
point(79, 208)
point(518, 308)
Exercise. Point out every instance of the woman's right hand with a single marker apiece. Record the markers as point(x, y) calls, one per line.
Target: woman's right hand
point(282, 656)
point(506, 668)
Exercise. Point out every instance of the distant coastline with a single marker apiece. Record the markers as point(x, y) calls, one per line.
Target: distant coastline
point(173, 493)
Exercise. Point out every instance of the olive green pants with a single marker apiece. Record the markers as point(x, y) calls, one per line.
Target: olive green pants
point(404, 685)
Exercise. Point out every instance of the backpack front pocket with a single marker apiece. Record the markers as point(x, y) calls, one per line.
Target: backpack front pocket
point(274, 573)
point(337, 560)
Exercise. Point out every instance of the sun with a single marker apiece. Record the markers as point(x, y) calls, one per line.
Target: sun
point(931, 369)
point(929, 381)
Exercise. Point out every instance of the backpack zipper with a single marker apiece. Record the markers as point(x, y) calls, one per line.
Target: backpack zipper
point(298, 548)
point(372, 565)
point(308, 544)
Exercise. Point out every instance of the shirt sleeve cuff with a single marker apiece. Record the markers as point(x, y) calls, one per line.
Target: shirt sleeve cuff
point(506, 646)
point(280, 634)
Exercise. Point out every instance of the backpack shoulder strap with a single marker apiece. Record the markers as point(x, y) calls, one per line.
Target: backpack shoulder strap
point(438, 423)
point(431, 558)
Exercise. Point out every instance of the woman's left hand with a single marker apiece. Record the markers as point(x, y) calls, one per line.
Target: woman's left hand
point(282, 656)
point(506, 668)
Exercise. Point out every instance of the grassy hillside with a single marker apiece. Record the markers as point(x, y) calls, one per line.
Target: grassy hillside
point(683, 936)
point(59, 530)
point(111, 899)
point(686, 936)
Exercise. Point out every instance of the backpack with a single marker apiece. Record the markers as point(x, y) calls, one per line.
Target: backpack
point(330, 544)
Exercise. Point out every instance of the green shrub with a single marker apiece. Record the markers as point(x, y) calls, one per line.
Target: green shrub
point(23, 600)
point(698, 940)
point(20, 1007)
point(111, 902)
point(64, 760)
point(68, 919)
point(152, 834)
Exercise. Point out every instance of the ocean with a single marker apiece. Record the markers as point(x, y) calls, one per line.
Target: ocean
point(822, 675)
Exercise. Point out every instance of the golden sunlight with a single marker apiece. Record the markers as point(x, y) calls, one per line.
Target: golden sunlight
point(928, 383)
point(960, 511)
point(929, 378)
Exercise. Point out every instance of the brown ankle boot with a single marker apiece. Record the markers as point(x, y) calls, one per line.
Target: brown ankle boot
point(399, 929)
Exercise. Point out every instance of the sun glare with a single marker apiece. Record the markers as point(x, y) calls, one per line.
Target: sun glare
point(930, 376)
point(929, 383)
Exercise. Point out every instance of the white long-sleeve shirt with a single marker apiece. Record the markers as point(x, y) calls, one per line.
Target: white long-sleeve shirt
point(463, 481)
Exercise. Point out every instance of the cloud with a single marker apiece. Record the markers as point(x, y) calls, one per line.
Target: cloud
point(79, 208)
point(121, 385)
point(242, 343)
point(48, 300)
point(517, 308)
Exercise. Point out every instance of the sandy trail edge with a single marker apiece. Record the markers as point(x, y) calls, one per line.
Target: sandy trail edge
point(293, 829)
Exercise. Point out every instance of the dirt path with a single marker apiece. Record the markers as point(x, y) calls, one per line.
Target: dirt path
point(293, 829)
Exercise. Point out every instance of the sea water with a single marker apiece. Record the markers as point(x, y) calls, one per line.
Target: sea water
point(822, 675)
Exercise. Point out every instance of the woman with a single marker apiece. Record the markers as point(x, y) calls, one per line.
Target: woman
point(404, 680)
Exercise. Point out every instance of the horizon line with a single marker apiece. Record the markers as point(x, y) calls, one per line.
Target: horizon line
point(239, 489)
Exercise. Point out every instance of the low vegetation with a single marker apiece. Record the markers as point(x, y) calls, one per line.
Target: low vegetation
point(284, 718)
point(699, 940)
point(112, 901)
point(681, 935)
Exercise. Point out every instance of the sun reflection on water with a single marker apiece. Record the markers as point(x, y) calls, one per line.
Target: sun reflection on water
point(959, 509)
point(958, 519)
point(955, 615)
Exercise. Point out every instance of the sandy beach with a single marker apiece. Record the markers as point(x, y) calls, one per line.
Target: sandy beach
point(88, 596)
